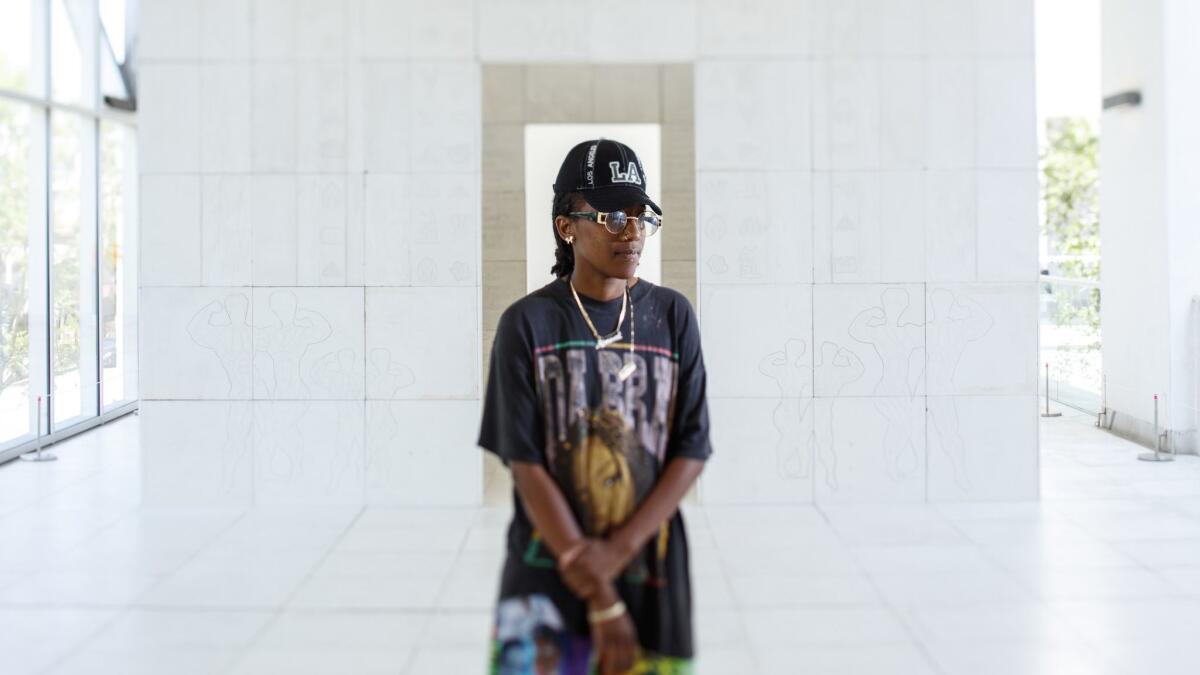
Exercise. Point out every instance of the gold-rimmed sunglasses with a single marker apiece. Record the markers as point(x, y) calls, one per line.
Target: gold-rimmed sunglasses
point(615, 221)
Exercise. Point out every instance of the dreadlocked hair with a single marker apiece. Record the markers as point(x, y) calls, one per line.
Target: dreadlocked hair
point(564, 255)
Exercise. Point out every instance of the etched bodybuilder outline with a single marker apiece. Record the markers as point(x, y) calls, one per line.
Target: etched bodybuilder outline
point(284, 343)
point(223, 327)
point(838, 367)
point(894, 343)
point(286, 452)
point(793, 376)
point(952, 323)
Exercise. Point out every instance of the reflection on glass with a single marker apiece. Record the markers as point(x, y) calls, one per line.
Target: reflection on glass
point(72, 41)
point(112, 49)
point(118, 263)
point(15, 411)
point(17, 46)
point(111, 83)
point(72, 271)
point(112, 19)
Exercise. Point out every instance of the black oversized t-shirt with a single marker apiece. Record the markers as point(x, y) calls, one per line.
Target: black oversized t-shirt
point(554, 399)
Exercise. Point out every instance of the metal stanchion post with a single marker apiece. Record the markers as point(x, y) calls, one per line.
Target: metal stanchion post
point(1157, 455)
point(38, 455)
point(1048, 413)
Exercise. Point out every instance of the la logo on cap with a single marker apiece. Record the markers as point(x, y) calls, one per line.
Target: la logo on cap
point(629, 176)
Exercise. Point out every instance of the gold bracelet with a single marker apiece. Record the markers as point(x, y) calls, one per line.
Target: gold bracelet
point(617, 609)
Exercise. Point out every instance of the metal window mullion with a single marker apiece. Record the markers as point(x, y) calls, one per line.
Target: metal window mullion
point(96, 273)
point(48, 145)
point(97, 104)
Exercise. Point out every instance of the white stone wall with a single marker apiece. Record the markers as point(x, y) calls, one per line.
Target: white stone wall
point(1182, 63)
point(1149, 209)
point(310, 276)
point(867, 236)
point(866, 239)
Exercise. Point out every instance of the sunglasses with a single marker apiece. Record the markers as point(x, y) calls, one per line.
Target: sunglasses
point(615, 221)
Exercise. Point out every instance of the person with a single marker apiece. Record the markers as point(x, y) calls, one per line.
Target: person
point(604, 434)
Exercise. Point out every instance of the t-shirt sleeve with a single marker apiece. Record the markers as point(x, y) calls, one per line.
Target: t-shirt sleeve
point(511, 425)
point(689, 430)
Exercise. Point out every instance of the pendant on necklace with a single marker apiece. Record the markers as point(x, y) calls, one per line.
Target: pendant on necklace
point(627, 370)
point(608, 340)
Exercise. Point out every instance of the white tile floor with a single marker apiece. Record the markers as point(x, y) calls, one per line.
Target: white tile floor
point(1101, 576)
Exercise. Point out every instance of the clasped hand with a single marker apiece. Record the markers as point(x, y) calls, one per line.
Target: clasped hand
point(588, 569)
point(596, 563)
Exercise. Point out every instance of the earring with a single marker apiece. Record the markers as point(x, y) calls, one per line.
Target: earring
point(570, 240)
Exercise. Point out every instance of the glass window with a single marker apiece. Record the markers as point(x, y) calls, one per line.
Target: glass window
point(73, 52)
point(73, 346)
point(118, 263)
point(112, 19)
point(112, 49)
point(18, 381)
point(22, 46)
point(68, 218)
point(111, 82)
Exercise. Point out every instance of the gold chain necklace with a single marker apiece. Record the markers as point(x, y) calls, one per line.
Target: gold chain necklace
point(602, 342)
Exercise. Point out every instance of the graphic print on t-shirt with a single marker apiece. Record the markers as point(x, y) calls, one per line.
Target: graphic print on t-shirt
point(606, 458)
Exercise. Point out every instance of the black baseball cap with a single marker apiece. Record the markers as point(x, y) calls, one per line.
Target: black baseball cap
point(607, 173)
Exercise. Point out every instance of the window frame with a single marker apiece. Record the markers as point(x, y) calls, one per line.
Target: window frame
point(42, 106)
